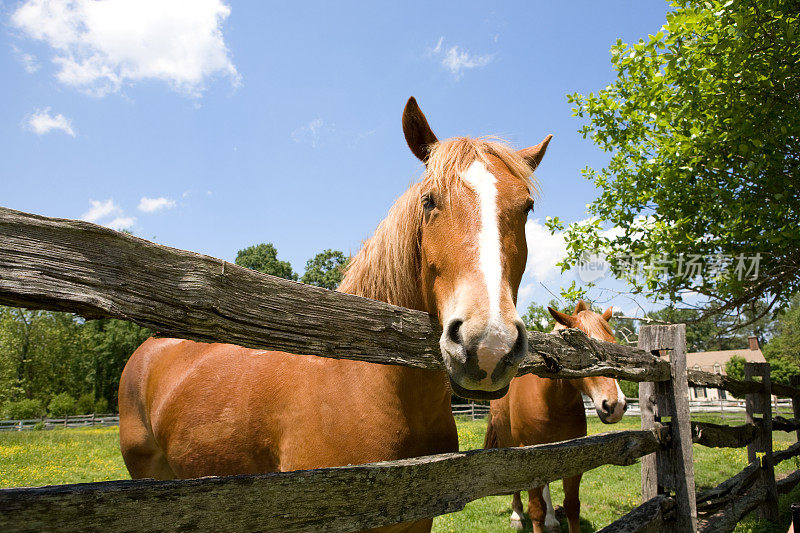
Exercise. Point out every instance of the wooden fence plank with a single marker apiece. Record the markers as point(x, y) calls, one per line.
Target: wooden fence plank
point(788, 453)
point(673, 469)
point(647, 518)
point(71, 265)
point(725, 520)
point(333, 499)
point(721, 436)
point(712, 500)
point(787, 483)
point(780, 423)
point(761, 403)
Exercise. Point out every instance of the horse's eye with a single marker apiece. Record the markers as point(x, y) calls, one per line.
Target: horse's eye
point(428, 202)
point(528, 208)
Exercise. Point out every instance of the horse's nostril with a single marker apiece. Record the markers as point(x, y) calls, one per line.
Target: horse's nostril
point(521, 342)
point(605, 407)
point(454, 331)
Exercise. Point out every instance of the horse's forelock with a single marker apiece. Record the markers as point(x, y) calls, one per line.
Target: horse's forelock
point(449, 159)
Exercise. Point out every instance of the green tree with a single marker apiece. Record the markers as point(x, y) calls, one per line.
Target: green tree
point(702, 124)
point(264, 258)
point(61, 405)
point(783, 351)
point(109, 344)
point(734, 367)
point(326, 269)
point(538, 318)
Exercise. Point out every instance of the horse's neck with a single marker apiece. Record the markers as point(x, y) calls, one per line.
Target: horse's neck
point(562, 393)
point(388, 269)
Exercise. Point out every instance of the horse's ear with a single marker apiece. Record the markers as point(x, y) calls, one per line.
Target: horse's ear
point(580, 306)
point(562, 318)
point(534, 154)
point(607, 314)
point(419, 134)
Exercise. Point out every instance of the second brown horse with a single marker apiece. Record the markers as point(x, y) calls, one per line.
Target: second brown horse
point(540, 410)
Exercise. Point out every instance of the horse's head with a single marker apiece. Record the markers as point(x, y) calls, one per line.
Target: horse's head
point(609, 400)
point(474, 198)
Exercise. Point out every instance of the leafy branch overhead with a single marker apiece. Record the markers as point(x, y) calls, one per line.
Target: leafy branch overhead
point(702, 124)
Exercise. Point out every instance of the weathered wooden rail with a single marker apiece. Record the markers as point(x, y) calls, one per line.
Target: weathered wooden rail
point(71, 265)
point(76, 266)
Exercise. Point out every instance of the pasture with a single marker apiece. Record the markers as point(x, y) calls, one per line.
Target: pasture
point(32, 458)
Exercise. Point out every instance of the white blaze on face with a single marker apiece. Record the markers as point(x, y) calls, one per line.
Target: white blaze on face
point(484, 184)
point(496, 342)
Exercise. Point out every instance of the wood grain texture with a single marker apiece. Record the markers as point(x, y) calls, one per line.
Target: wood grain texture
point(725, 520)
point(333, 499)
point(722, 436)
point(71, 265)
point(650, 517)
point(738, 388)
point(674, 464)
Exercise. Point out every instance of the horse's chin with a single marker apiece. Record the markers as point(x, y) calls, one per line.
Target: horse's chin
point(472, 394)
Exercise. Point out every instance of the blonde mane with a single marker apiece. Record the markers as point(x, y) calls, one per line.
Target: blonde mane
point(388, 266)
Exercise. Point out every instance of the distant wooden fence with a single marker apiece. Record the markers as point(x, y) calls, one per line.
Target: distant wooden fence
point(76, 266)
point(72, 421)
point(724, 408)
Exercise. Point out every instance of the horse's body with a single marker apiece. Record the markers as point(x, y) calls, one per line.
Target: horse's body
point(541, 410)
point(189, 409)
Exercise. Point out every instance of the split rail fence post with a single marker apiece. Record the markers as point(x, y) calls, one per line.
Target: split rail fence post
point(761, 403)
point(670, 469)
point(795, 382)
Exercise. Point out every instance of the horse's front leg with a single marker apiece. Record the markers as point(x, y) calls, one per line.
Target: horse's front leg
point(517, 512)
point(537, 509)
point(551, 523)
point(572, 503)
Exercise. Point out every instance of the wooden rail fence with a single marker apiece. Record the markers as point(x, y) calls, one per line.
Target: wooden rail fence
point(72, 421)
point(76, 266)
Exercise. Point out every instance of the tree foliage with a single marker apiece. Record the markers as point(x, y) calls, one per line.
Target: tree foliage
point(326, 269)
point(264, 258)
point(703, 123)
point(538, 318)
point(783, 351)
point(44, 354)
point(734, 367)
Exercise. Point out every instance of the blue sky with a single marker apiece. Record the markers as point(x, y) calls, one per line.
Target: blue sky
point(212, 126)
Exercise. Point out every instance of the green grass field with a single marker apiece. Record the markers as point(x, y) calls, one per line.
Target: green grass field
point(34, 458)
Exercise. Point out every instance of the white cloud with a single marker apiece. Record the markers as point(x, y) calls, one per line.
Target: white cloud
point(457, 60)
point(41, 122)
point(105, 209)
point(100, 46)
point(544, 251)
point(121, 223)
point(28, 61)
point(309, 133)
point(150, 205)
point(101, 209)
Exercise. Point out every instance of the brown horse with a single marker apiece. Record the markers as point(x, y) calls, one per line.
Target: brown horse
point(540, 410)
point(453, 245)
